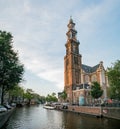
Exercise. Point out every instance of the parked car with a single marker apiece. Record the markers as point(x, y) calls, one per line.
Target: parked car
point(2, 109)
point(13, 104)
point(7, 106)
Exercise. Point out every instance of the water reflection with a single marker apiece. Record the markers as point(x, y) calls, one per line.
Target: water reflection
point(36, 117)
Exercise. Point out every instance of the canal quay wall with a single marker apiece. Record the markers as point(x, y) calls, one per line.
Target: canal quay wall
point(109, 112)
point(88, 110)
point(4, 116)
point(94, 111)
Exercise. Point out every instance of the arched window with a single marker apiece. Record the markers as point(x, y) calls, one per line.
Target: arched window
point(94, 78)
point(87, 78)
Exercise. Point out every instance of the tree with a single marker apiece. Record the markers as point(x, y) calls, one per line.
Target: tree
point(29, 95)
point(42, 99)
point(16, 93)
point(37, 98)
point(51, 98)
point(11, 70)
point(96, 90)
point(63, 95)
point(114, 80)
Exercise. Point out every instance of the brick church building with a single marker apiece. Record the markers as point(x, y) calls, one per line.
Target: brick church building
point(78, 77)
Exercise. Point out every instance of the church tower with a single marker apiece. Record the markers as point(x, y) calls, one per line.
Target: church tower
point(72, 62)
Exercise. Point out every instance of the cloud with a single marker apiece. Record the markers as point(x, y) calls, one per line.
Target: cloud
point(96, 32)
point(39, 60)
point(39, 29)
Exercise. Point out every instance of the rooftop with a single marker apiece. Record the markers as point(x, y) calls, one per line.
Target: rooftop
point(89, 69)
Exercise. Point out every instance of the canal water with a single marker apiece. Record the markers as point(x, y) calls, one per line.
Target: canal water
point(36, 117)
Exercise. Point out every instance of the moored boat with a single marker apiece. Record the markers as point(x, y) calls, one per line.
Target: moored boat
point(48, 107)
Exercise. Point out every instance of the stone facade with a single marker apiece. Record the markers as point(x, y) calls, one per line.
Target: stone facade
point(77, 76)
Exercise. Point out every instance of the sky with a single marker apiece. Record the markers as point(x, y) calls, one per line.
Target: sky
point(39, 29)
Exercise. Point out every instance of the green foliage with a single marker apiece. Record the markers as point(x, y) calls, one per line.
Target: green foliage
point(36, 97)
point(63, 95)
point(29, 94)
point(114, 80)
point(11, 70)
point(96, 90)
point(17, 91)
point(51, 98)
point(42, 99)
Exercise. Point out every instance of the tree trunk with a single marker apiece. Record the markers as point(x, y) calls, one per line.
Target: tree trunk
point(2, 95)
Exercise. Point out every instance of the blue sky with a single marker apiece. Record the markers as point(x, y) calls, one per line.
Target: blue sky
point(39, 28)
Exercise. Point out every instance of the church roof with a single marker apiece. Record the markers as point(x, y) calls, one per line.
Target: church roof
point(89, 69)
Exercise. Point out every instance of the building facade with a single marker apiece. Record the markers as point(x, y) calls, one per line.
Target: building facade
point(77, 76)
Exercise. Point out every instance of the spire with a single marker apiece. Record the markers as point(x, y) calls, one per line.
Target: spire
point(71, 20)
point(71, 24)
point(71, 34)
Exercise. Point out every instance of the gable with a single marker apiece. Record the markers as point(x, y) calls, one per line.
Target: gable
point(89, 69)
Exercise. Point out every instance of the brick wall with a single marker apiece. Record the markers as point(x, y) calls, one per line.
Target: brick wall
point(111, 112)
point(86, 110)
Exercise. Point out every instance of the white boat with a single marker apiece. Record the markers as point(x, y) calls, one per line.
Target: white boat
point(48, 107)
